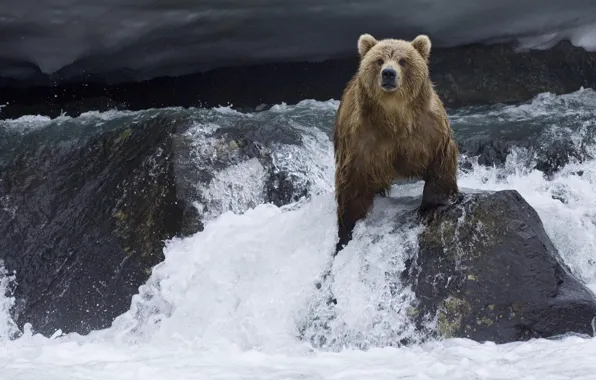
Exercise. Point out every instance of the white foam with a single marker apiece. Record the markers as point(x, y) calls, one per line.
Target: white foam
point(242, 280)
point(7, 326)
point(570, 358)
point(236, 188)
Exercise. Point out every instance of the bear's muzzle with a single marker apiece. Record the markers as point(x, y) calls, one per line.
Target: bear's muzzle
point(389, 79)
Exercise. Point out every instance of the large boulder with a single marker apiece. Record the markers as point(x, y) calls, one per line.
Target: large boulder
point(482, 268)
point(86, 205)
point(84, 217)
point(486, 270)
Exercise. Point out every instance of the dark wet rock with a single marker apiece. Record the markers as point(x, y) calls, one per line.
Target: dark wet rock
point(185, 179)
point(487, 271)
point(84, 219)
point(257, 140)
point(541, 150)
point(488, 151)
point(556, 155)
point(493, 152)
point(86, 205)
point(482, 268)
point(284, 188)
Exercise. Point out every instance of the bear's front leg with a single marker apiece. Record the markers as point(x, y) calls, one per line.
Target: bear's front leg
point(351, 207)
point(434, 195)
point(440, 181)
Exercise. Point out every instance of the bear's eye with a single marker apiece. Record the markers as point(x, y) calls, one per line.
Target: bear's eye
point(380, 62)
point(402, 62)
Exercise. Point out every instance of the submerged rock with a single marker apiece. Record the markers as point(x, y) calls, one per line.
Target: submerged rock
point(486, 270)
point(547, 149)
point(255, 141)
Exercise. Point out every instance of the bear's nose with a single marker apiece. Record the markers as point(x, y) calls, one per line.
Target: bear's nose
point(388, 74)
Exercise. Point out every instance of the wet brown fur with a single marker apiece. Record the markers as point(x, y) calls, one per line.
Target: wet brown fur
point(382, 136)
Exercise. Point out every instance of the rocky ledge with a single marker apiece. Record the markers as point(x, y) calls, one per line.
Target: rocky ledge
point(487, 271)
point(86, 205)
point(482, 268)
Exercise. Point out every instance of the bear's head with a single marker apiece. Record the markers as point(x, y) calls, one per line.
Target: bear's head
point(393, 68)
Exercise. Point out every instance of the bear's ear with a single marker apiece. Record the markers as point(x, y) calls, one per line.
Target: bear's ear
point(365, 43)
point(422, 44)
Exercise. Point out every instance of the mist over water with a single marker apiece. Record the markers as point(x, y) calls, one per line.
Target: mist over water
point(231, 301)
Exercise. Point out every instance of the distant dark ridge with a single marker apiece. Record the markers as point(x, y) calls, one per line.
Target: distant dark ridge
point(466, 75)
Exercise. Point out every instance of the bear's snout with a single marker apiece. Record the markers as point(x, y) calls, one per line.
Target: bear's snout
point(389, 79)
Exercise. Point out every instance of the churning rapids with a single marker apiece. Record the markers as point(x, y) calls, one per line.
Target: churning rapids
point(228, 302)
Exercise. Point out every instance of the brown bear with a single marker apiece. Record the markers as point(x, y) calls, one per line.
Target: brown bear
point(391, 125)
